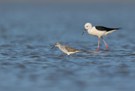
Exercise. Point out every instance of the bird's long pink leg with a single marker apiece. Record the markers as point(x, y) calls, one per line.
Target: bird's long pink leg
point(98, 48)
point(106, 45)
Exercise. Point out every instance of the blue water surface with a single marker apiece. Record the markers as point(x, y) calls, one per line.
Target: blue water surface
point(27, 62)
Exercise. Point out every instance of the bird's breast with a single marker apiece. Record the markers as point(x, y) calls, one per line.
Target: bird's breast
point(93, 31)
point(96, 32)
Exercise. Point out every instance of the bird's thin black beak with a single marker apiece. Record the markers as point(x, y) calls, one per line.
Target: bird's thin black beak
point(52, 46)
point(83, 32)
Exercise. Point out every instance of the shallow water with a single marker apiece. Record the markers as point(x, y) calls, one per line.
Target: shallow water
point(27, 61)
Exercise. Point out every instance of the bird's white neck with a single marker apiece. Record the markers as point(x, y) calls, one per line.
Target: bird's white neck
point(59, 46)
point(88, 30)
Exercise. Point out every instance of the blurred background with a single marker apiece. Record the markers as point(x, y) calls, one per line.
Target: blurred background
point(64, 1)
point(29, 28)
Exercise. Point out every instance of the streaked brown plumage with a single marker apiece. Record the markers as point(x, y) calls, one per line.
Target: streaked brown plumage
point(66, 49)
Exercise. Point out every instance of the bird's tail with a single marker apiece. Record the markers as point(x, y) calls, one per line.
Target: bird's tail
point(110, 32)
point(114, 29)
point(117, 28)
point(78, 51)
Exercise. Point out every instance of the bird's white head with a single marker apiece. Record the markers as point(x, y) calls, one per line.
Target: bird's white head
point(88, 26)
point(57, 44)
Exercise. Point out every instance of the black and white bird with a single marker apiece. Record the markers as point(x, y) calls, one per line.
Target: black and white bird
point(100, 32)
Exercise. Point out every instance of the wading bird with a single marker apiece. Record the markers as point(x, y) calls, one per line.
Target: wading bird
point(100, 32)
point(66, 49)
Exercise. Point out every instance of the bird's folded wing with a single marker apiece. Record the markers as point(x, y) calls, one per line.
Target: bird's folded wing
point(102, 28)
point(69, 49)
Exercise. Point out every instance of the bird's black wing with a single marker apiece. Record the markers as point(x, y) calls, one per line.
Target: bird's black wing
point(101, 28)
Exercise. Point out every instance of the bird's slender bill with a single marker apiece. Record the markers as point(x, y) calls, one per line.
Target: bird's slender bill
point(83, 32)
point(52, 47)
